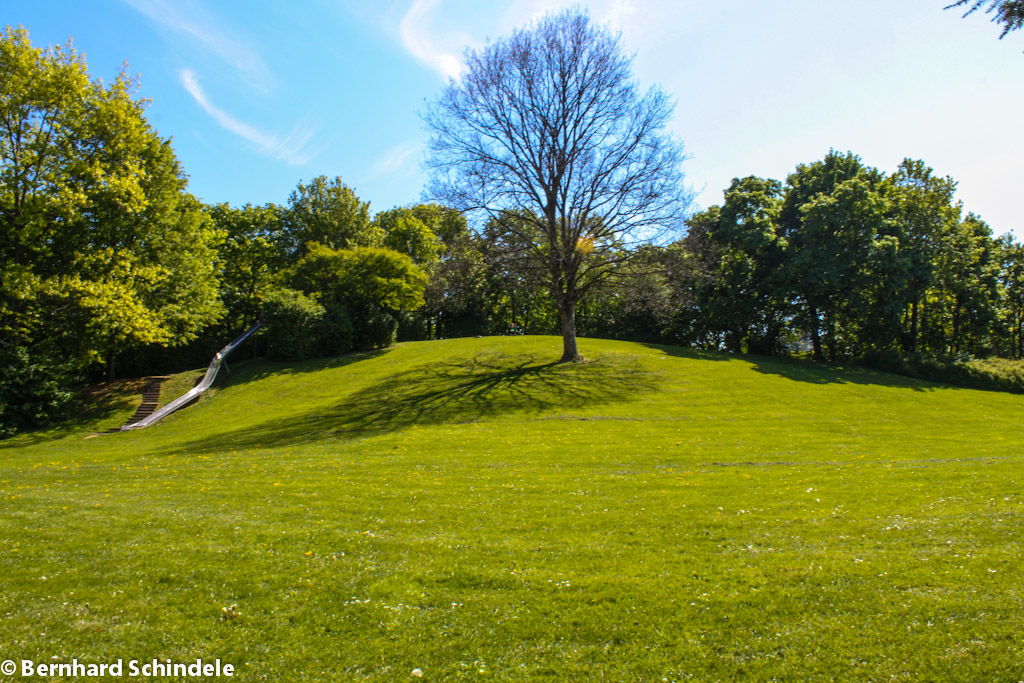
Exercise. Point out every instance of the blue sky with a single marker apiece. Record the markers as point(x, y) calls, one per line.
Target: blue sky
point(259, 95)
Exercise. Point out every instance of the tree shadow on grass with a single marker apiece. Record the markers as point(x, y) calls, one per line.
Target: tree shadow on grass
point(813, 372)
point(251, 370)
point(97, 406)
point(687, 352)
point(452, 391)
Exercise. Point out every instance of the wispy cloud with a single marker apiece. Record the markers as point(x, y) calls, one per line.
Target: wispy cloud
point(293, 149)
point(190, 21)
point(416, 39)
point(395, 158)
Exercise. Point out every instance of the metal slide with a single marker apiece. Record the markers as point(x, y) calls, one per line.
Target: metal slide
point(193, 393)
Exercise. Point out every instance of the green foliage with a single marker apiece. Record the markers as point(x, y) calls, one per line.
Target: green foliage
point(1011, 305)
point(368, 277)
point(328, 212)
point(962, 306)
point(635, 305)
point(377, 330)
point(446, 223)
point(376, 277)
point(369, 284)
point(454, 294)
point(748, 296)
point(336, 334)
point(33, 390)
point(846, 262)
point(405, 233)
point(924, 215)
point(516, 293)
point(292, 321)
point(251, 257)
point(834, 219)
point(104, 251)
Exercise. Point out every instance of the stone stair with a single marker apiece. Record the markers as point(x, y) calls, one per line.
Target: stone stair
point(150, 399)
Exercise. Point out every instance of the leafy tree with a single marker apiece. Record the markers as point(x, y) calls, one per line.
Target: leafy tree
point(924, 215)
point(963, 303)
point(379, 277)
point(251, 257)
point(32, 390)
point(1011, 281)
point(517, 295)
point(637, 306)
point(294, 323)
point(1009, 13)
point(369, 285)
point(835, 259)
point(833, 217)
point(749, 296)
point(328, 212)
point(103, 250)
point(548, 125)
point(693, 276)
point(404, 232)
point(453, 296)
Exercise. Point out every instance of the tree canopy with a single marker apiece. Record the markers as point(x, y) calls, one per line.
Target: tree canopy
point(103, 250)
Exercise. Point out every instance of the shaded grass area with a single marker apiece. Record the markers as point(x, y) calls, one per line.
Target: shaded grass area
point(652, 514)
point(992, 374)
point(471, 389)
point(98, 407)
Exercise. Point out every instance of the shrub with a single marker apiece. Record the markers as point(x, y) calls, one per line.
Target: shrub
point(33, 390)
point(334, 334)
point(292, 322)
point(379, 330)
point(993, 374)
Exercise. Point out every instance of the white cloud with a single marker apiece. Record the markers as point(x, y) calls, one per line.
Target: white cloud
point(395, 158)
point(292, 149)
point(416, 39)
point(188, 20)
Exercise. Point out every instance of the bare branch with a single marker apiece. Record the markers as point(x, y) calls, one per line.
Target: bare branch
point(548, 137)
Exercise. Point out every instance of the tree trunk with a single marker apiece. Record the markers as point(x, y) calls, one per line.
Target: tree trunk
point(569, 350)
point(913, 326)
point(816, 335)
point(1020, 337)
point(111, 371)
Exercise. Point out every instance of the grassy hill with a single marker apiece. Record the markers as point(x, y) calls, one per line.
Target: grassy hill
point(471, 509)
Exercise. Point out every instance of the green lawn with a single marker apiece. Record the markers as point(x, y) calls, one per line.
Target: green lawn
point(471, 509)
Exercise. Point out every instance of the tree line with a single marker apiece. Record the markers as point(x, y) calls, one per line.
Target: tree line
point(839, 262)
point(111, 267)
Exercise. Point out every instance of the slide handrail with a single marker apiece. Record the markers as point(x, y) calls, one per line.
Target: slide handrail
point(193, 393)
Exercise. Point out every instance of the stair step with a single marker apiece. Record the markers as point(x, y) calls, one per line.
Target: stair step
point(150, 400)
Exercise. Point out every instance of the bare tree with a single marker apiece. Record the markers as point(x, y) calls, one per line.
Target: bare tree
point(547, 134)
